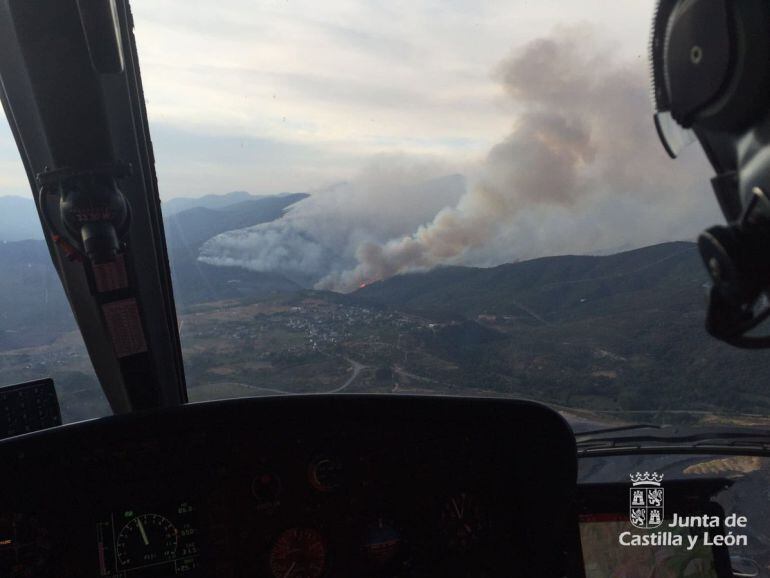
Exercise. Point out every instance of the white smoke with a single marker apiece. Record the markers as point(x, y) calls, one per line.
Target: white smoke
point(391, 196)
point(581, 171)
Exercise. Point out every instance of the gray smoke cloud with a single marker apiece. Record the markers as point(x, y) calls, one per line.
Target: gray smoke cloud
point(581, 171)
point(581, 166)
point(390, 197)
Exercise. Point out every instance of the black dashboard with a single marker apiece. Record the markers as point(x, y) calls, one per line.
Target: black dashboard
point(299, 487)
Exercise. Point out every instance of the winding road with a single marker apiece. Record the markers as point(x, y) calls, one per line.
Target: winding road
point(357, 368)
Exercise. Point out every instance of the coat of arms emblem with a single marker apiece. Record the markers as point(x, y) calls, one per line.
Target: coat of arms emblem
point(645, 509)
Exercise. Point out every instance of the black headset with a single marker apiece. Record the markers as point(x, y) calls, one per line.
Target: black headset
point(710, 63)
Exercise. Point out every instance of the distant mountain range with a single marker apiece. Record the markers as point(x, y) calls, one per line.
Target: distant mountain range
point(179, 204)
point(19, 220)
point(34, 310)
point(190, 228)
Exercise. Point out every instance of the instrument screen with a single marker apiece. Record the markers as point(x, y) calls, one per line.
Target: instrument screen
point(604, 556)
point(28, 407)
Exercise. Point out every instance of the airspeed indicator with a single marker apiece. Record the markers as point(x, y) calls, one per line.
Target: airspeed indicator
point(146, 539)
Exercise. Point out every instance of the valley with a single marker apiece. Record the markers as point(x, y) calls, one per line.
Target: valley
point(617, 337)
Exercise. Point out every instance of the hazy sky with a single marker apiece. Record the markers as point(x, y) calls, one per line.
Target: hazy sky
point(290, 95)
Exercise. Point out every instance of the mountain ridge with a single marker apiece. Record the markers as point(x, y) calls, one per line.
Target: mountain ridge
point(553, 283)
point(210, 201)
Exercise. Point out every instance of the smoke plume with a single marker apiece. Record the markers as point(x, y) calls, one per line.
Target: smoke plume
point(580, 171)
point(582, 140)
point(390, 197)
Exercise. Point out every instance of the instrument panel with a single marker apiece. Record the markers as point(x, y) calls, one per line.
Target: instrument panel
point(297, 487)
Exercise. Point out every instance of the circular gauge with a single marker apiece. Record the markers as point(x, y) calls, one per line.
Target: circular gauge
point(325, 474)
point(298, 553)
point(462, 520)
point(381, 542)
point(146, 539)
point(266, 489)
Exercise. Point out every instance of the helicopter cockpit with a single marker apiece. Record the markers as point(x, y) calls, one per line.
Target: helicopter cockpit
point(345, 484)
